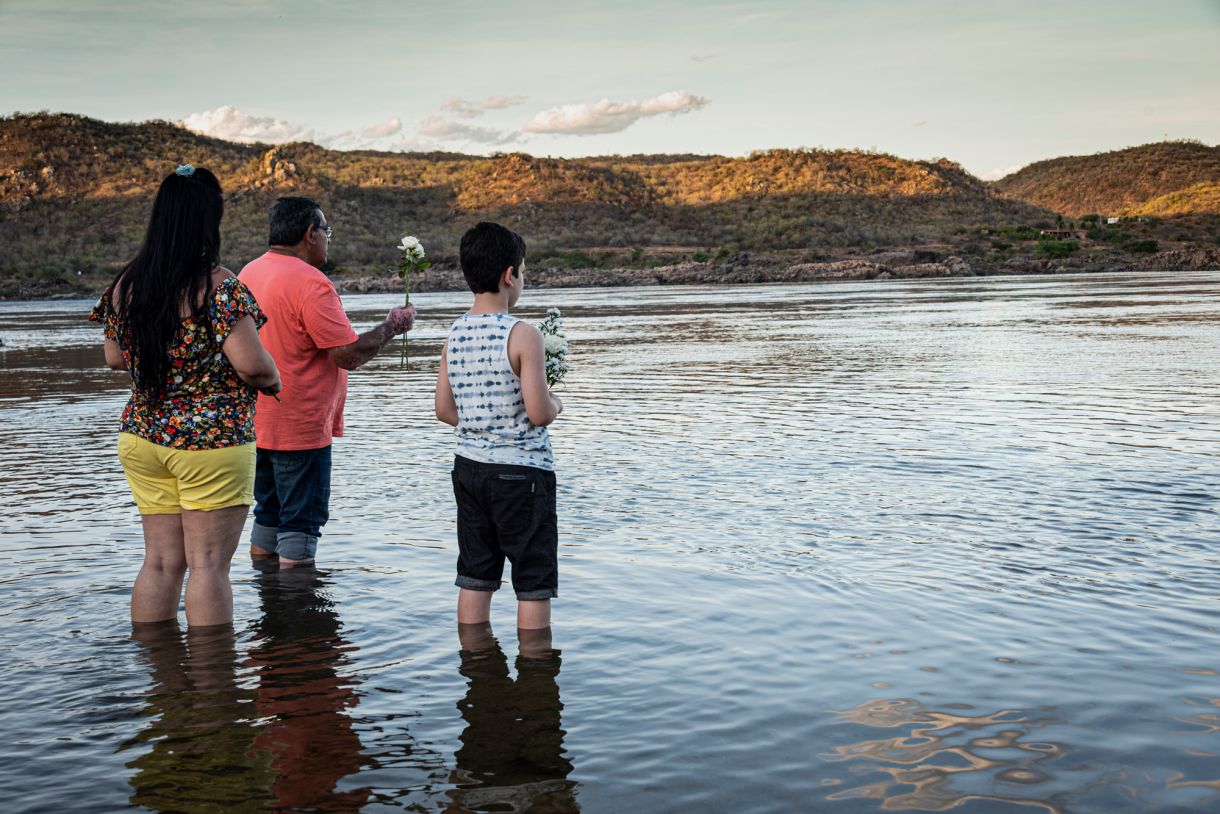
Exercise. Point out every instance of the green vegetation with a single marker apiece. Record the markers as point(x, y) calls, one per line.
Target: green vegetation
point(1143, 247)
point(1055, 249)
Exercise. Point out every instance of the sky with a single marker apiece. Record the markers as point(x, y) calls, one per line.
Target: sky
point(992, 85)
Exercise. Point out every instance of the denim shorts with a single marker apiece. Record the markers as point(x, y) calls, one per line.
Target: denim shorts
point(506, 512)
point(291, 501)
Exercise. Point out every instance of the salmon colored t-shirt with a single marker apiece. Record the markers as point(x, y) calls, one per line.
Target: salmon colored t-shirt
point(304, 318)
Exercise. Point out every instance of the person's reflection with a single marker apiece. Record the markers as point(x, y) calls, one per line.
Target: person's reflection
point(201, 728)
point(511, 757)
point(299, 657)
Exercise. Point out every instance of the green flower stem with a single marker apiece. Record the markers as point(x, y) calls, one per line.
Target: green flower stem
point(403, 359)
point(407, 271)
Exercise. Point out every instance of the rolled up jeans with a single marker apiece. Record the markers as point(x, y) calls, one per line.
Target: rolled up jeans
point(291, 501)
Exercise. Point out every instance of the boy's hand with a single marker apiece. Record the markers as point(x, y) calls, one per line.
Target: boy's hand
point(558, 404)
point(401, 320)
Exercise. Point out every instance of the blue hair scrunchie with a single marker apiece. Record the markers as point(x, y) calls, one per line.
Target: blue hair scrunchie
point(185, 170)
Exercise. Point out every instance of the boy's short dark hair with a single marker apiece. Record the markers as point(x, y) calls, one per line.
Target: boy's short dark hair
point(487, 249)
point(290, 217)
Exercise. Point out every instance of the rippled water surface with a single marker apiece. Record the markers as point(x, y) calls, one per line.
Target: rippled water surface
point(845, 548)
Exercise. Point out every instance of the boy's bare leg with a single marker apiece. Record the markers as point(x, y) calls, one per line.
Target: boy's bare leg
point(534, 643)
point(158, 588)
point(533, 614)
point(257, 553)
point(474, 607)
point(476, 637)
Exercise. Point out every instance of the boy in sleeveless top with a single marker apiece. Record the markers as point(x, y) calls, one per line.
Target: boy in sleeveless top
point(492, 387)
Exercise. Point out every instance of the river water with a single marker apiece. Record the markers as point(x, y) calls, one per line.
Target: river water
point(837, 547)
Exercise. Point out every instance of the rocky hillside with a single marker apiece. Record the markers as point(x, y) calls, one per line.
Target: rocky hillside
point(75, 192)
point(1167, 179)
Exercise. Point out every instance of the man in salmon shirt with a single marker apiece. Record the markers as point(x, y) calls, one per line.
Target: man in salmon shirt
point(314, 345)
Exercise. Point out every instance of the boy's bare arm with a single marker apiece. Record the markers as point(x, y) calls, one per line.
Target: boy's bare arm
point(446, 405)
point(528, 357)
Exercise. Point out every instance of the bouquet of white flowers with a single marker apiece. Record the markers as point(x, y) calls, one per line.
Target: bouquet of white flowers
point(556, 346)
point(413, 263)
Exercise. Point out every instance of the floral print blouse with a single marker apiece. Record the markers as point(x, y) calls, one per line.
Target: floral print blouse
point(205, 405)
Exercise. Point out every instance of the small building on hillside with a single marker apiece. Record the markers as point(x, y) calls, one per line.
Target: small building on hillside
point(1057, 234)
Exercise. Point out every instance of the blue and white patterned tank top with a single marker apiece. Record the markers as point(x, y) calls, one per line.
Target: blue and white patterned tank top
point(492, 423)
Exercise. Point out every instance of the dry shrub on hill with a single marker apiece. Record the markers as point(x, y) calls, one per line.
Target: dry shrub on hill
point(1122, 182)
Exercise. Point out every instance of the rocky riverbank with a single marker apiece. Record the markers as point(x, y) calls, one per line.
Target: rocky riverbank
point(744, 269)
point(737, 270)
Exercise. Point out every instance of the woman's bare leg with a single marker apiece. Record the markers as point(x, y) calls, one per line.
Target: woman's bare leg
point(154, 598)
point(210, 539)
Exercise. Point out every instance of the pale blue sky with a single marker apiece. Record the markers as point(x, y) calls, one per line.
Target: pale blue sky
point(992, 85)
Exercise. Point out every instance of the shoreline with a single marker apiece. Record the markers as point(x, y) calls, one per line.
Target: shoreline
point(744, 270)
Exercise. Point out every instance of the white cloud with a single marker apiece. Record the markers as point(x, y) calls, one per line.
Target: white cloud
point(501, 102)
point(703, 57)
point(611, 117)
point(1000, 172)
point(469, 110)
point(445, 130)
point(460, 107)
point(383, 130)
point(231, 124)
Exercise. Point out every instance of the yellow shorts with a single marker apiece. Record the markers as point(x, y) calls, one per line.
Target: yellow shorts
point(165, 480)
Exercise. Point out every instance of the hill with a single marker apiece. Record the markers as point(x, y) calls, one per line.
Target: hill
point(1169, 178)
point(75, 194)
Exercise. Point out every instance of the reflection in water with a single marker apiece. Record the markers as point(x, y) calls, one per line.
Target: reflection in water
point(201, 728)
point(511, 757)
point(1020, 493)
point(299, 657)
point(944, 752)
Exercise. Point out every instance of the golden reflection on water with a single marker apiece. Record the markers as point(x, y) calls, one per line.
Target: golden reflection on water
point(926, 760)
point(1206, 722)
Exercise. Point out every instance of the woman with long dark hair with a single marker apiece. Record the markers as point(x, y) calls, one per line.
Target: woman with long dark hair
point(187, 330)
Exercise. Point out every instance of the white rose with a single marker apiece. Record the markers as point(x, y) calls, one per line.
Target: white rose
point(409, 244)
point(417, 252)
point(555, 345)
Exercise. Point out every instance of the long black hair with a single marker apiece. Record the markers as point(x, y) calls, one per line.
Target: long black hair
point(173, 267)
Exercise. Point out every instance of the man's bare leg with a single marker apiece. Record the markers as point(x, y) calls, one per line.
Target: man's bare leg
point(257, 553)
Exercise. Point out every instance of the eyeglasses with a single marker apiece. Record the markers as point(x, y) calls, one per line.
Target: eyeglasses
point(326, 230)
